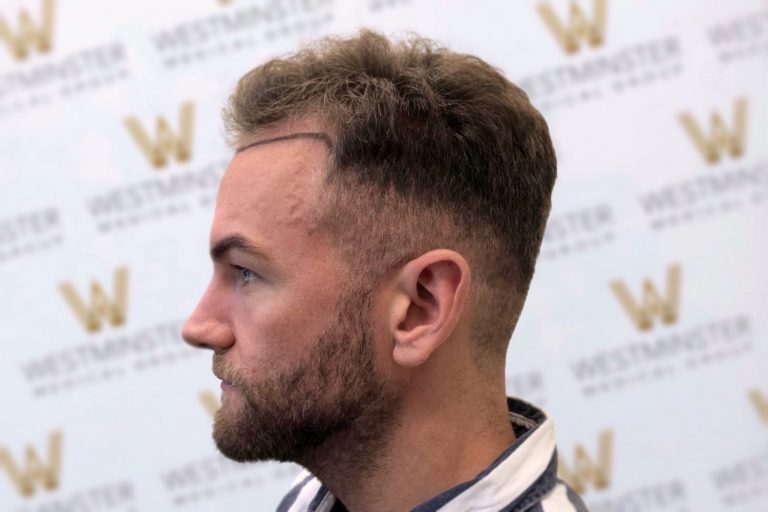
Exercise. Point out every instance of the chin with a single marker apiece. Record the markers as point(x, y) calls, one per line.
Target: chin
point(237, 437)
point(231, 451)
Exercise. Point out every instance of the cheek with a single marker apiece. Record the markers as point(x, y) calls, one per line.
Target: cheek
point(277, 328)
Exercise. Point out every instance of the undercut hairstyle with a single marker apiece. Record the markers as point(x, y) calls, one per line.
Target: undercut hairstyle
point(430, 149)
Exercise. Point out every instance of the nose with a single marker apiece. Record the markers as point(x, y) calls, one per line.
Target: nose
point(208, 325)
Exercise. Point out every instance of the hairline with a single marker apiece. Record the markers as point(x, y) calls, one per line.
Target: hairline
point(325, 138)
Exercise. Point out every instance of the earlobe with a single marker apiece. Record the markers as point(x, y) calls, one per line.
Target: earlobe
point(429, 301)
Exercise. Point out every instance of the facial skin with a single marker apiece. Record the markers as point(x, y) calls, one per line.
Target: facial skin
point(292, 340)
point(332, 390)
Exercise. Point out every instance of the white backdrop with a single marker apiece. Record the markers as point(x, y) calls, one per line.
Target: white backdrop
point(645, 333)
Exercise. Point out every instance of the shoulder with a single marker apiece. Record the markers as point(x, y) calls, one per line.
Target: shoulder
point(561, 498)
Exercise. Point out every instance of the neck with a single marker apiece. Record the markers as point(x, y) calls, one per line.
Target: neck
point(433, 442)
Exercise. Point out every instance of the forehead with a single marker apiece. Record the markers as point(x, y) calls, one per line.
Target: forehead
point(273, 184)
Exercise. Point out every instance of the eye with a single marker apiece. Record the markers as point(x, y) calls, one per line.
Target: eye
point(245, 276)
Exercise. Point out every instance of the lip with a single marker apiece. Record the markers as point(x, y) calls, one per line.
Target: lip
point(225, 384)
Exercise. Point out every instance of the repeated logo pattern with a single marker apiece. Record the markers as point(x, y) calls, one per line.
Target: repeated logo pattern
point(760, 401)
point(210, 401)
point(34, 471)
point(721, 139)
point(30, 34)
point(166, 143)
point(653, 304)
point(579, 27)
point(644, 335)
point(585, 470)
point(100, 306)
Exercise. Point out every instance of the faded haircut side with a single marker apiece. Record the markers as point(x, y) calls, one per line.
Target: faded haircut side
point(431, 149)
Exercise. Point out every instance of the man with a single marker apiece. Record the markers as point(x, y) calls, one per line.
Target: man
point(374, 238)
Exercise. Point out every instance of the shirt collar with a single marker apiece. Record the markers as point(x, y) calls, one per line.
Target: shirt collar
point(519, 476)
point(525, 470)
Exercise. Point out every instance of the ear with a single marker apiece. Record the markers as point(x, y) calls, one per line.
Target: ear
point(430, 292)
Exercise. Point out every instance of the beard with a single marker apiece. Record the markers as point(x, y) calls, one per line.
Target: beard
point(332, 395)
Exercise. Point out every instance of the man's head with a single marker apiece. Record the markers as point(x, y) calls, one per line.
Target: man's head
point(379, 222)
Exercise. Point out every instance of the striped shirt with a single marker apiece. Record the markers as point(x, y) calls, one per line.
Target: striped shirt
point(522, 478)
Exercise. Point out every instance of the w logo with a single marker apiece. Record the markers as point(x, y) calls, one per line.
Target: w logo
point(166, 143)
point(760, 401)
point(720, 139)
point(653, 304)
point(33, 472)
point(210, 401)
point(29, 34)
point(100, 307)
point(579, 27)
point(585, 470)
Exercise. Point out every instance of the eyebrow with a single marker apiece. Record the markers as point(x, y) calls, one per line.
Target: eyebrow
point(299, 135)
point(238, 242)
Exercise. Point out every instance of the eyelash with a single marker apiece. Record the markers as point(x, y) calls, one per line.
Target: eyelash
point(241, 271)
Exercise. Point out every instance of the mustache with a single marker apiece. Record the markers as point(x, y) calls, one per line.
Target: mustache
point(226, 371)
